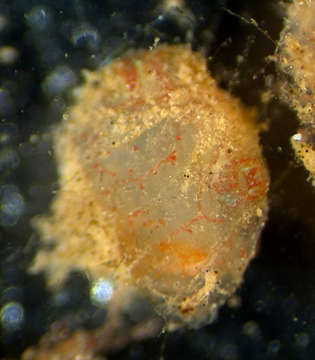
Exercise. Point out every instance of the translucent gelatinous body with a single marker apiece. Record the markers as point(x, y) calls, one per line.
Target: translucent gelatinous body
point(163, 185)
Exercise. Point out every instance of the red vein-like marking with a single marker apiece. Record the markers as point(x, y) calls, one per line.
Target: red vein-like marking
point(200, 215)
point(129, 72)
point(200, 206)
point(169, 159)
point(243, 178)
point(252, 173)
point(131, 218)
point(148, 223)
point(128, 240)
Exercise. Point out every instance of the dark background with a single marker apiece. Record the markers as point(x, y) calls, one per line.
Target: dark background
point(54, 40)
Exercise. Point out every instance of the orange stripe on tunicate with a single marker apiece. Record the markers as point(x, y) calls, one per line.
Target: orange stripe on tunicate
point(171, 259)
point(148, 222)
point(83, 136)
point(128, 72)
point(183, 257)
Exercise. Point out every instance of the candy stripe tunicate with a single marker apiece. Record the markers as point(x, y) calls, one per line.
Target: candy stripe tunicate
point(162, 184)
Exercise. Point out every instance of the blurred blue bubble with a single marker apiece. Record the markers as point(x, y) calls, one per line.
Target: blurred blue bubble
point(9, 159)
point(59, 80)
point(228, 351)
point(274, 347)
point(8, 133)
point(3, 22)
point(39, 18)
point(51, 54)
point(85, 35)
point(12, 205)
point(101, 292)
point(302, 339)
point(251, 329)
point(12, 316)
point(61, 298)
point(6, 103)
point(8, 55)
point(11, 293)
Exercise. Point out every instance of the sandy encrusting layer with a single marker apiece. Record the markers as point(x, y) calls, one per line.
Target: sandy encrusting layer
point(162, 185)
point(296, 57)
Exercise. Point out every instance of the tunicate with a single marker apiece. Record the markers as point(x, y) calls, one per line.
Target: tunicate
point(162, 184)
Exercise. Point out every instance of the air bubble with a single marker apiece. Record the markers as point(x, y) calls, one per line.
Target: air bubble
point(228, 351)
point(12, 316)
point(58, 81)
point(6, 103)
point(8, 133)
point(12, 205)
point(11, 293)
point(8, 55)
point(251, 329)
point(302, 340)
point(39, 18)
point(3, 22)
point(274, 347)
point(86, 36)
point(9, 159)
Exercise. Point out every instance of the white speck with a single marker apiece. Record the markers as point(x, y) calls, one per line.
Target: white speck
point(259, 212)
point(297, 137)
point(101, 292)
